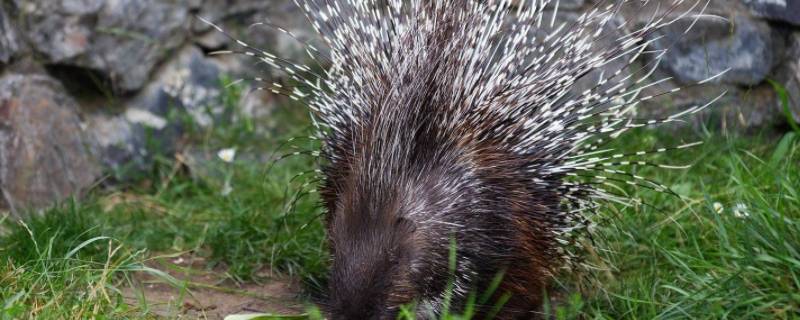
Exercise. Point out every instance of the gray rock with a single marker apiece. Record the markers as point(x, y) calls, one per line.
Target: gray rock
point(218, 10)
point(738, 110)
point(133, 36)
point(129, 141)
point(59, 31)
point(238, 19)
point(189, 82)
point(212, 41)
point(778, 10)
point(122, 39)
point(788, 74)
point(8, 38)
point(114, 139)
point(188, 85)
point(43, 150)
point(60, 38)
point(747, 110)
point(749, 48)
point(613, 31)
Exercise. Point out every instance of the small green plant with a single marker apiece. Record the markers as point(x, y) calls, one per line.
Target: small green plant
point(783, 96)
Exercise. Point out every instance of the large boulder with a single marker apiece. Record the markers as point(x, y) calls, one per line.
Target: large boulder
point(44, 155)
point(748, 49)
point(778, 10)
point(724, 38)
point(122, 39)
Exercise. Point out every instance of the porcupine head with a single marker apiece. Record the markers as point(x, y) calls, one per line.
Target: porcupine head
point(455, 128)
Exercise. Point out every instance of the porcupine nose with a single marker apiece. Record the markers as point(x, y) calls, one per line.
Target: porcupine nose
point(370, 263)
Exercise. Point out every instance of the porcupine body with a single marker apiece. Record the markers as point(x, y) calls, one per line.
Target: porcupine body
point(447, 128)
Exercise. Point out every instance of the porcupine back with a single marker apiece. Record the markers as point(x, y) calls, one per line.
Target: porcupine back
point(456, 125)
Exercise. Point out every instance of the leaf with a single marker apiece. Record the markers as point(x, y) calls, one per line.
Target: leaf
point(783, 147)
point(159, 274)
point(784, 96)
point(10, 301)
point(83, 245)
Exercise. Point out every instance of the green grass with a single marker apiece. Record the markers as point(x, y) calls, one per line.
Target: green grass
point(729, 247)
point(267, 223)
point(57, 266)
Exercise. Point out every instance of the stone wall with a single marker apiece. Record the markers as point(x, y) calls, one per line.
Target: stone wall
point(85, 84)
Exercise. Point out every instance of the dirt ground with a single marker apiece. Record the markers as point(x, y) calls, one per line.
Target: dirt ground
point(208, 294)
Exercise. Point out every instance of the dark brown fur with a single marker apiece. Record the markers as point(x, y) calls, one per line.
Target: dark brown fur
point(386, 255)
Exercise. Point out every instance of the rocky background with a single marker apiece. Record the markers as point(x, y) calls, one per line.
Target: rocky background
point(89, 87)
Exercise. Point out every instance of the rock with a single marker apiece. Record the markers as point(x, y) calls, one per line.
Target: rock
point(123, 39)
point(212, 41)
point(239, 20)
point(285, 14)
point(746, 110)
point(43, 150)
point(60, 38)
point(188, 85)
point(129, 141)
point(788, 75)
point(750, 51)
point(134, 36)
point(114, 140)
point(59, 31)
point(614, 31)
point(189, 82)
point(737, 110)
point(8, 38)
point(218, 10)
point(779, 10)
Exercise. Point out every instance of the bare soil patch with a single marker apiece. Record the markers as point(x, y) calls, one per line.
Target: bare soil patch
point(200, 293)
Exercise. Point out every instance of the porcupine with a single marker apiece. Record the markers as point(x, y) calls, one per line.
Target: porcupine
point(447, 128)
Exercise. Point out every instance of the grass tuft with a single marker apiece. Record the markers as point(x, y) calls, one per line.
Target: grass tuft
point(729, 249)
